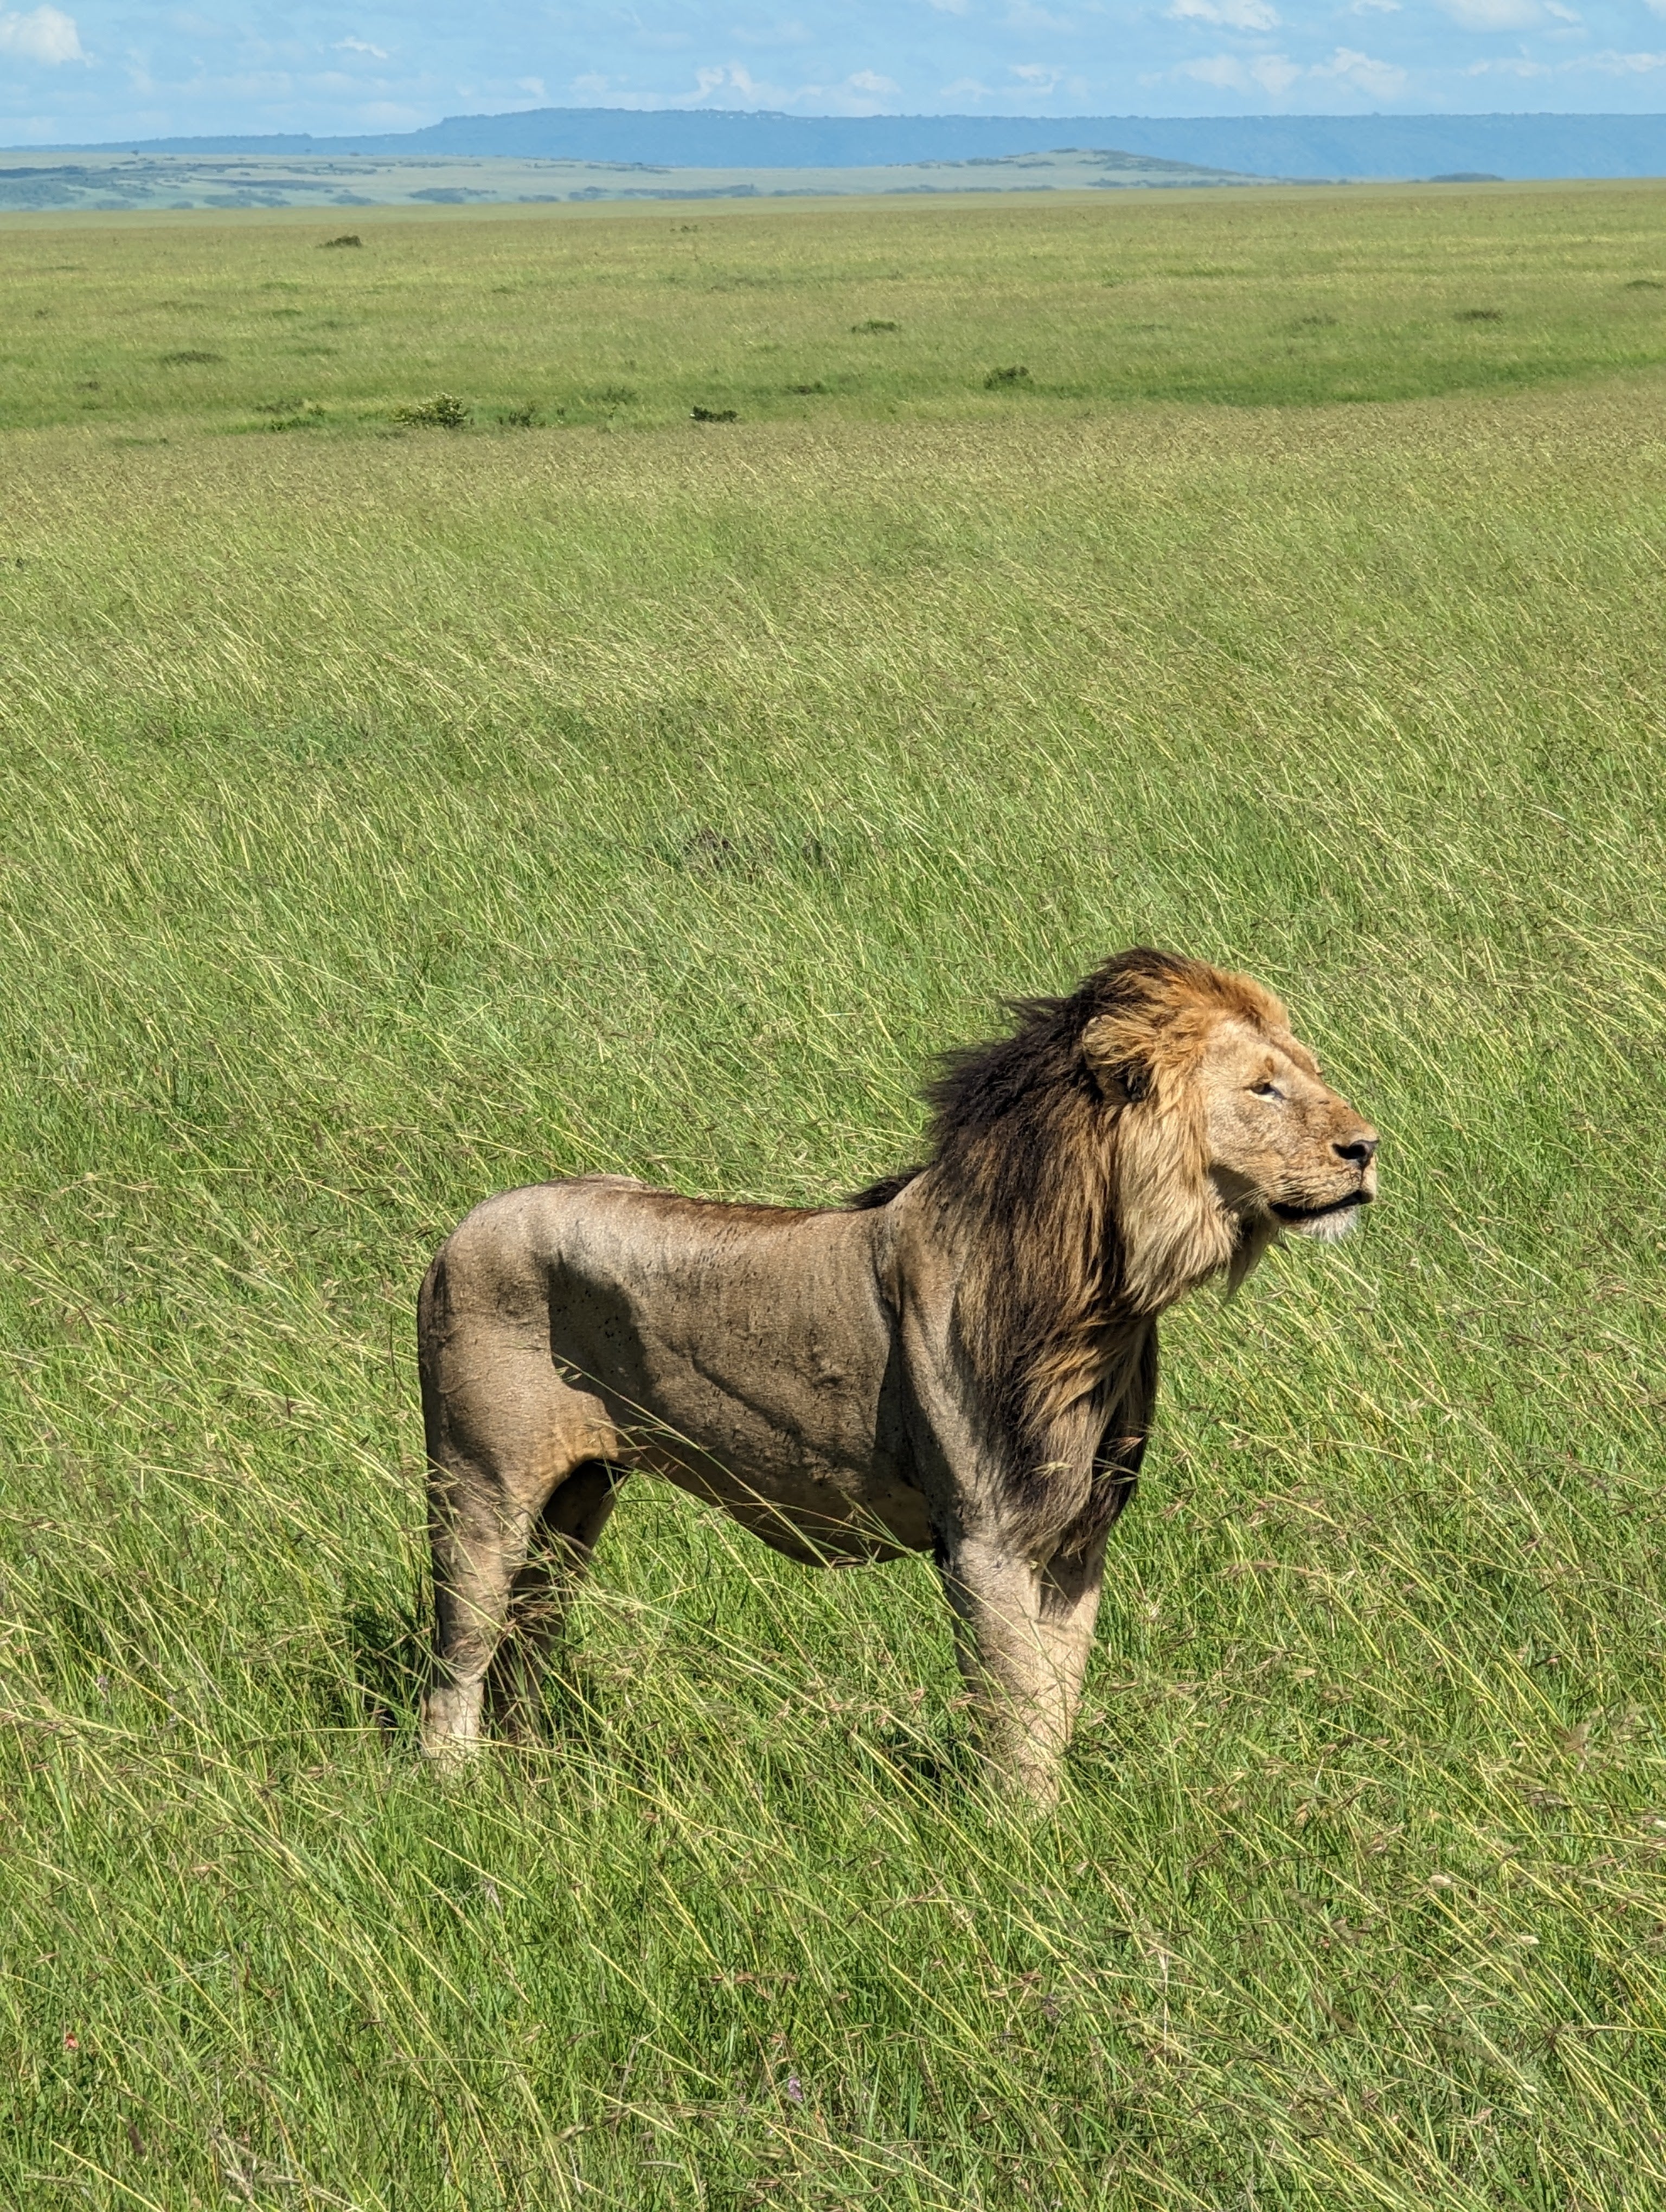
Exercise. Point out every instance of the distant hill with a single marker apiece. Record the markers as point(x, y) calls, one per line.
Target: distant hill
point(134, 181)
point(1279, 146)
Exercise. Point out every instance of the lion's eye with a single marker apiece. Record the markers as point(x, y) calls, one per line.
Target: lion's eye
point(1268, 1090)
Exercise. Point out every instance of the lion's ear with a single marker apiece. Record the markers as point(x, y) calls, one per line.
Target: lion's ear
point(1122, 1086)
point(1120, 1070)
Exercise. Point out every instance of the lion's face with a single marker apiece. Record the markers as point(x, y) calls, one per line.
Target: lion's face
point(1282, 1146)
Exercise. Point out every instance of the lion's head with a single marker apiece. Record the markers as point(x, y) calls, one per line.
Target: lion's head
point(1158, 1125)
point(1226, 1133)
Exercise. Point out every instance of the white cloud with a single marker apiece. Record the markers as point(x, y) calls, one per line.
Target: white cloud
point(1232, 14)
point(1613, 64)
point(1382, 80)
point(734, 86)
point(1607, 63)
point(734, 77)
point(1562, 15)
point(1375, 7)
point(593, 83)
point(48, 35)
point(1494, 14)
point(535, 85)
point(950, 7)
point(359, 46)
point(1225, 72)
point(965, 87)
point(1658, 6)
point(1274, 73)
point(1035, 77)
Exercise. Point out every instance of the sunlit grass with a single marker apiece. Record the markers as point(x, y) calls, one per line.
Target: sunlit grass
point(387, 820)
point(829, 310)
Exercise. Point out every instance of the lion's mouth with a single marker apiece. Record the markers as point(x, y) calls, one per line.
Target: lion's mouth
point(1300, 1217)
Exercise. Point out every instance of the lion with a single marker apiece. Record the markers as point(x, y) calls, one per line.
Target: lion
point(961, 1359)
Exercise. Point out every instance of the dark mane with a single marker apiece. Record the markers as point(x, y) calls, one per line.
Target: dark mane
point(983, 1085)
point(977, 1086)
point(879, 1193)
point(1029, 1146)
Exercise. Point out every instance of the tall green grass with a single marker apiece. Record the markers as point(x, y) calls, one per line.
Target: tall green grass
point(386, 820)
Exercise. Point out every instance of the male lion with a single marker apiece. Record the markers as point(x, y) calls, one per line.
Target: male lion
point(962, 1360)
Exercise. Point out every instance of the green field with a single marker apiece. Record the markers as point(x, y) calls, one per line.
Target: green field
point(826, 312)
point(390, 814)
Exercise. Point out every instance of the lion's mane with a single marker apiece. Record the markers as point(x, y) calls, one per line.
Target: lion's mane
point(1069, 1167)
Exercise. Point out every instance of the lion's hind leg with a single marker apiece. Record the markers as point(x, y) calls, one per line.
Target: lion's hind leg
point(557, 1555)
point(490, 1585)
point(506, 1434)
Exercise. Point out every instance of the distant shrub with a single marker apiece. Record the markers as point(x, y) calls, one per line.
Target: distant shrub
point(523, 417)
point(806, 390)
point(190, 358)
point(1645, 284)
point(997, 377)
point(713, 415)
point(861, 329)
point(611, 395)
point(347, 238)
point(445, 412)
point(1479, 315)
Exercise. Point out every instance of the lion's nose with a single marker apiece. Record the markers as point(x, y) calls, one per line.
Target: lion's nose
point(1360, 1150)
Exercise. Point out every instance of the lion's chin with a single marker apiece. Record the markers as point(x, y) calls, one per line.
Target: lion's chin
point(1331, 1228)
point(1327, 1224)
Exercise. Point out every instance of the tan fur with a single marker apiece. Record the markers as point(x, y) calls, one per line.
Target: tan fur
point(963, 1361)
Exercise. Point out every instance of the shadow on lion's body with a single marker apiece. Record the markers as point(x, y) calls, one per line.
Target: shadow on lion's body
point(963, 1360)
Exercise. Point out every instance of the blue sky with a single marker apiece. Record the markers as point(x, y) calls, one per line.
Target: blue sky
point(92, 69)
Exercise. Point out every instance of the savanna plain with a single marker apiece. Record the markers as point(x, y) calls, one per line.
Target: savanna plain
point(433, 760)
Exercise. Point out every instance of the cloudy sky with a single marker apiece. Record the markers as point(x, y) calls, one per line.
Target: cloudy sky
point(94, 69)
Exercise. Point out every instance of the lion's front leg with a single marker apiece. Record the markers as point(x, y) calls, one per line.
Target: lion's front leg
point(1023, 1636)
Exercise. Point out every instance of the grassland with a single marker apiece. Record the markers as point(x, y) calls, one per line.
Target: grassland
point(830, 313)
point(389, 815)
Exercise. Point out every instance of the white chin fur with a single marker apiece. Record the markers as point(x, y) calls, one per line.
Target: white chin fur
point(1330, 1228)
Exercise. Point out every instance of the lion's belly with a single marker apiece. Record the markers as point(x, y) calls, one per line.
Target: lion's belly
point(814, 1468)
point(820, 1523)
